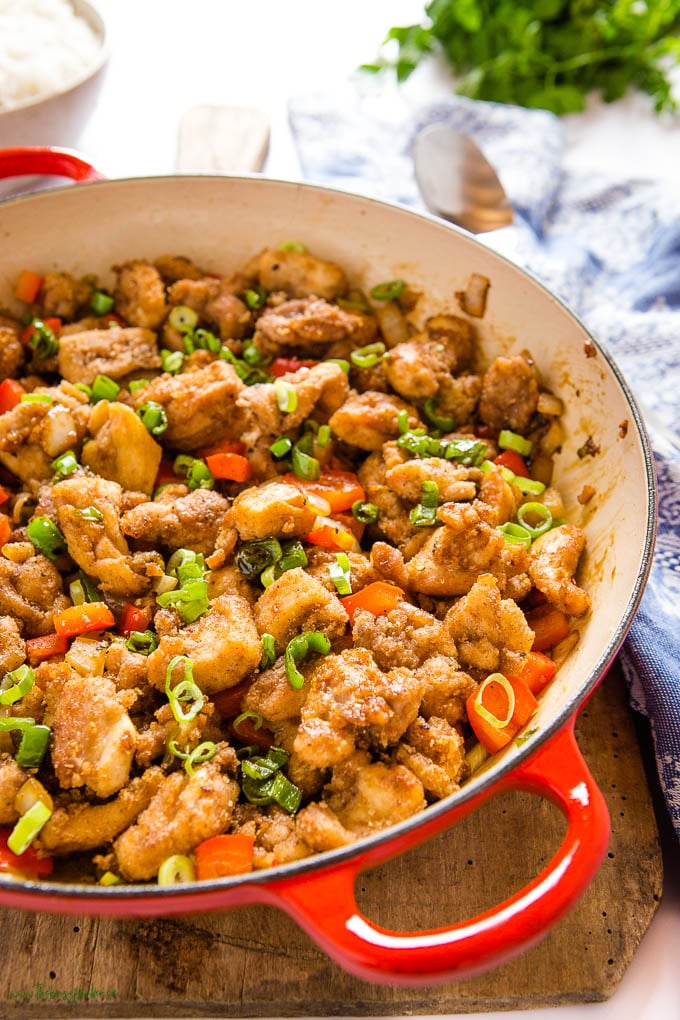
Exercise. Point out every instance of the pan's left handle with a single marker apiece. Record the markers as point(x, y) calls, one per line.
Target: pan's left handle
point(37, 160)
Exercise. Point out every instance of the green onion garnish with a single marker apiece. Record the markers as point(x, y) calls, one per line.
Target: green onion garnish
point(28, 827)
point(254, 557)
point(508, 440)
point(176, 870)
point(425, 513)
point(252, 356)
point(46, 537)
point(172, 361)
point(183, 319)
point(196, 472)
point(293, 246)
point(341, 362)
point(101, 303)
point(264, 783)
point(186, 565)
point(77, 593)
point(303, 463)
point(298, 648)
point(90, 513)
point(104, 388)
point(43, 340)
point(323, 436)
point(36, 398)
point(64, 465)
point(16, 684)
point(470, 452)
point(34, 739)
point(367, 357)
point(202, 340)
point(255, 298)
point(255, 718)
point(144, 642)
point(185, 693)
point(539, 510)
point(286, 397)
point(190, 601)
point(388, 291)
point(339, 573)
point(365, 513)
point(528, 486)
point(137, 384)
point(268, 651)
point(402, 422)
point(109, 878)
point(153, 416)
point(442, 422)
point(516, 534)
point(198, 756)
point(281, 446)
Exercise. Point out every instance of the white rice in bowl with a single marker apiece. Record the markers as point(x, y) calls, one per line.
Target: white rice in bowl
point(45, 48)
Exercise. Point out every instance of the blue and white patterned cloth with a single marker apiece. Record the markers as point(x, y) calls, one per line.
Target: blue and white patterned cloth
point(611, 252)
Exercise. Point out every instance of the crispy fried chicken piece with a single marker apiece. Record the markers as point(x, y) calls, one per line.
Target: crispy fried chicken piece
point(369, 419)
point(12, 778)
point(33, 434)
point(435, 752)
point(12, 351)
point(273, 510)
point(140, 295)
point(319, 391)
point(447, 688)
point(553, 560)
point(509, 394)
point(490, 632)
point(190, 522)
point(183, 812)
point(300, 274)
point(116, 351)
point(116, 431)
point(405, 476)
point(367, 796)
point(214, 301)
point(311, 322)
point(12, 647)
point(406, 636)
point(31, 591)
point(296, 602)
point(61, 295)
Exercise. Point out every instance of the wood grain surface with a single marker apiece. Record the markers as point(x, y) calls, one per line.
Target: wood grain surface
point(254, 962)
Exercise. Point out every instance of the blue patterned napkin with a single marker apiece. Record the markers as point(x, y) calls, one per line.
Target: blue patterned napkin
point(611, 251)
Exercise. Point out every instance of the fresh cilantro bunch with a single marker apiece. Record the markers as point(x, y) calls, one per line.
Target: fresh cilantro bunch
point(549, 53)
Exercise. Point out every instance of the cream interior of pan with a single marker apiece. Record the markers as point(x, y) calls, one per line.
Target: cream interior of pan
point(220, 222)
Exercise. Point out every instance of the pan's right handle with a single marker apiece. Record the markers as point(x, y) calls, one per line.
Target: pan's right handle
point(36, 160)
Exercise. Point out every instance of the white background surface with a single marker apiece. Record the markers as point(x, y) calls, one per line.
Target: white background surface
point(168, 55)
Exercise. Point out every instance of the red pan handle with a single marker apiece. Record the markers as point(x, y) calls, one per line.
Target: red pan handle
point(36, 160)
point(324, 905)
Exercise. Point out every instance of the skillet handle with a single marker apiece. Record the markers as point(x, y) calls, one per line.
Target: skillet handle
point(30, 160)
point(323, 902)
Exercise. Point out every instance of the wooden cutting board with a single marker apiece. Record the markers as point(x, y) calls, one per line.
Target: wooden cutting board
point(256, 962)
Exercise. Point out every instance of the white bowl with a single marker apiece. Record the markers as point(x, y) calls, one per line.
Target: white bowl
point(58, 119)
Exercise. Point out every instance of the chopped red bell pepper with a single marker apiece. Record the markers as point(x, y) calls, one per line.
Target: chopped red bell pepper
point(233, 467)
point(378, 598)
point(550, 626)
point(11, 393)
point(228, 702)
point(41, 648)
point(331, 535)
point(498, 709)
point(133, 618)
point(4, 494)
point(248, 733)
point(83, 619)
point(282, 366)
point(28, 286)
point(513, 461)
point(225, 855)
point(537, 670)
point(340, 489)
point(28, 864)
point(5, 528)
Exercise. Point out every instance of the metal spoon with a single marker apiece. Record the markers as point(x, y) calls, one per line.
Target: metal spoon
point(457, 182)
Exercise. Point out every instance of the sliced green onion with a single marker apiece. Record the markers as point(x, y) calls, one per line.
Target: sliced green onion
point(528, 486)
point(268, 651)
point(475, 758)
point(154, 417)
point(293, 246)
point(466, 451)
point(198, 756)
point(508, 440)
point(339, 573)
point(281, 446)
point(202, 340)
point(286, 396)
point(516, 534)
point(255, 556)
point(539, 510)
point(91, 591)
point(484, 712)
point(365, 513)
point(402, 422)
point(323, 436)
point(255, 718)
point(190, 601)
point(64, 465)
point(303, 463)
point(101, 303)
point(367, 357)
point(341, 362)
point(109, 878)
point(255, 298)
point(298, 648)
point(104, 388)
point(84, 388)
point(251, 355)
point(77, 593)
point(43, 340)
point(137, 384)
point(264, 783)
point(293, 555)
point(356, 305)
point(90, 513)
point(176, 870)
point(144, 642)
point(16, 684)
point(186, 692)
point(33, 746)
point(183, 319)
point(388, 291)
point(444, 423)
point(36, 398)
point(425, 513)
point(186, 565)
point(46, 537)
point(196, 472)
point(172, 361)
point(28, 827)
point(268, 576)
